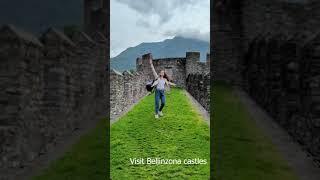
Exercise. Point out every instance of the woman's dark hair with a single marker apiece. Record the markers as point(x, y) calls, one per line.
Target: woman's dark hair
point(166, 76)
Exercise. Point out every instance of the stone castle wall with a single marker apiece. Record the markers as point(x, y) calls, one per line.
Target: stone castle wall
point(127, 89)
point(95, 16)
point(237, 23)
point(50, 87)
point(174, 67)
point(198, 78)
point(198, 85)
point(283, 76)
point(194, 66)
point(270, 48)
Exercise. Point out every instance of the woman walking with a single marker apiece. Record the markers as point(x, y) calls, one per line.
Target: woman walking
point(160, 82)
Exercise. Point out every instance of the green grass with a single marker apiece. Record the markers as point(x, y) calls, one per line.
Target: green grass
point(241, 150)
point(86, 159)
point(180, 134)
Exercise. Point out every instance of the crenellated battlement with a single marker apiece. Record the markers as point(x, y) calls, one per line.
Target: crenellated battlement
point(271, 49)
point(50, 86)
point(190, 64)
point(51, 38)
point(127, 88)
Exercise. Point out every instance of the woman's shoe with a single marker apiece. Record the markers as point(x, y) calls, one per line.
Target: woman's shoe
point(160, 113)
point(156, 116)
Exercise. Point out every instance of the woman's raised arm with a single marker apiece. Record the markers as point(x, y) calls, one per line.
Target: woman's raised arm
point(152, 67)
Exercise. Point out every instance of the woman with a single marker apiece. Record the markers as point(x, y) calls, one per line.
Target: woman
point(160, 82)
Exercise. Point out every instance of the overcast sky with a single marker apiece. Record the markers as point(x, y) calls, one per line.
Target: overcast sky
point(137, 21)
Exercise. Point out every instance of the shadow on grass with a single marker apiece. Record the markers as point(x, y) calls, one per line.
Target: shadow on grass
point(241, 151)
point(86, 159)
point(180, 134)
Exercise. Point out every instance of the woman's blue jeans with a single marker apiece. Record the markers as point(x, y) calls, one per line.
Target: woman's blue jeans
point(159, 95)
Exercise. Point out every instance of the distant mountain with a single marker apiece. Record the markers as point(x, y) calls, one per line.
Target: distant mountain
point(37, 15)
point(176, 47)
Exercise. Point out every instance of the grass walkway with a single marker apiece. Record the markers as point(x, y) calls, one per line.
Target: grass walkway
point(86, 159)
point(241, 151)
point(180, 134)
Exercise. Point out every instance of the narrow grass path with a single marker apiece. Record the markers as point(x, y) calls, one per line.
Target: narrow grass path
point(180, 134)
point(85, 160)
point(241, 150)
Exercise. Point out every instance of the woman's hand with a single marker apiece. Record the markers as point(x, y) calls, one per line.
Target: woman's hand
point(172, 84)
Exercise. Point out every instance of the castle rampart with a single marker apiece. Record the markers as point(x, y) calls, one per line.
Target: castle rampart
point(127, 88)
point(270, 48)
point(50, 87)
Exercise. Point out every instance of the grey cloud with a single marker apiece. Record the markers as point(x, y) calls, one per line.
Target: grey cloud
point(143, 23)
point(162, 8)
point(190, 33)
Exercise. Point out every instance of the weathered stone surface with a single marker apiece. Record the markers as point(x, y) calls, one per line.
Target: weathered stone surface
point(198, 85)
point(96, 16)
point(48, 89)
point(271, 49)
point(128, 88)
point(284, 78)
